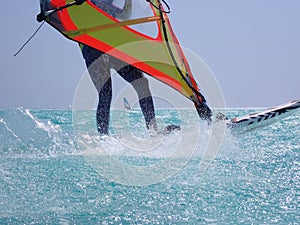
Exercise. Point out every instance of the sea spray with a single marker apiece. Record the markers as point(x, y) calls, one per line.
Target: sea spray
point(45, 179)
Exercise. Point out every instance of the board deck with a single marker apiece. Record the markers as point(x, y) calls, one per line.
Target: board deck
point(264, 118)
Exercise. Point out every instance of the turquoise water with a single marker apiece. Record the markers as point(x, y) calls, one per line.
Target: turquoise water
point(46, 177)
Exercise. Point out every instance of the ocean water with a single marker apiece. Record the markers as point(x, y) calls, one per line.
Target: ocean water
point(55, 169)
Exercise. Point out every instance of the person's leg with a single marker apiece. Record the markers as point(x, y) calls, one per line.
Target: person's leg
point(99, 69)
point(204, 111)
point(136, 78)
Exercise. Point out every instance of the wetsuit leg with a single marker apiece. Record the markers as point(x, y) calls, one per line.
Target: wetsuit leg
point(136, 78)
point(99, 69)
point(204, 111)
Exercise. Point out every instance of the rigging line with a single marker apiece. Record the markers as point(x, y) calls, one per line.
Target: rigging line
point(29, 39)
point(43, 15)
point(169, 10)
point(159, 7)
point(174, 60)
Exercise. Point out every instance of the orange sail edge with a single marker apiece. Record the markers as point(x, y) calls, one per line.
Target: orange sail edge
point(139, 64)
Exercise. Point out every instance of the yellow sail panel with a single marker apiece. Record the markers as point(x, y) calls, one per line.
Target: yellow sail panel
point(135, 31)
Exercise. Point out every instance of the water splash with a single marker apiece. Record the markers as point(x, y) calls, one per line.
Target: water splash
point(254, 178)
point(23, 134)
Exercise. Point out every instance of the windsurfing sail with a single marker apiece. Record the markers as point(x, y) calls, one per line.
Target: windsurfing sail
point(142, 36)
point(126, 104)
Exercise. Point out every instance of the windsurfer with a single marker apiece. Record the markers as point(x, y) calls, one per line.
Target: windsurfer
point(99, 65)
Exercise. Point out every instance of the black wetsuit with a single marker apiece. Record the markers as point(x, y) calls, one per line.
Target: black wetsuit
point(99, 65)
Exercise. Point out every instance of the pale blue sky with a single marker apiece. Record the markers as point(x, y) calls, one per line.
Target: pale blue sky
point(252, 47)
